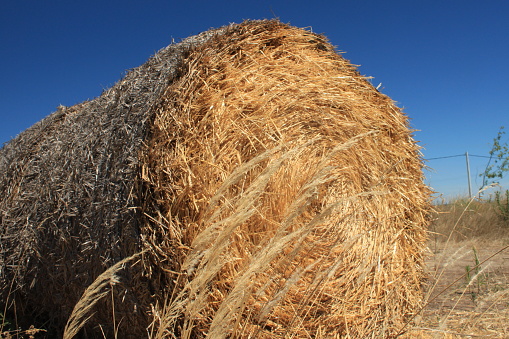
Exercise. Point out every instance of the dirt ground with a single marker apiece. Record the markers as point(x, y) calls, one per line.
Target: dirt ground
point(465, 300)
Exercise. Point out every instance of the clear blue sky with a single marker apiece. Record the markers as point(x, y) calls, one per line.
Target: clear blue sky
point(445, 62)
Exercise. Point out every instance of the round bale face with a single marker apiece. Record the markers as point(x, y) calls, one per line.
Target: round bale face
point(287, 193)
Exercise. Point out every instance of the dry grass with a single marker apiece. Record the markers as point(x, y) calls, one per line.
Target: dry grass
point(83, 310)
point(30, 333)
point(465, 219)
point(469, 277)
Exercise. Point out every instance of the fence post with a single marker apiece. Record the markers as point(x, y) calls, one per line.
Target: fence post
point(468, 176)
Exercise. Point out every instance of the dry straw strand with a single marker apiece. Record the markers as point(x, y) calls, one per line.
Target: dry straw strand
point(82, 311)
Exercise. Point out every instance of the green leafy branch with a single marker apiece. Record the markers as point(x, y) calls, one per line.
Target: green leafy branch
point(500, 155)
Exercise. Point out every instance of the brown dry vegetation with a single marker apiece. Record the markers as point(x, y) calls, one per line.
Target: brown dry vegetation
point(468, 265)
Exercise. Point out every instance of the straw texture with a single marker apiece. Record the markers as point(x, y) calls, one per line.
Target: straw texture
point(69, 204)
point(273, 191)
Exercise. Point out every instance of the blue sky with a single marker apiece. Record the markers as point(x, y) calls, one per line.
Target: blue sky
point(445, 62)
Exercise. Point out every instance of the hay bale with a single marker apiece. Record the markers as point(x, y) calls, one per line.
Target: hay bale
point(272, 189)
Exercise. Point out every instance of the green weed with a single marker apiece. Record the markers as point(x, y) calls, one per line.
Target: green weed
point(503, 204)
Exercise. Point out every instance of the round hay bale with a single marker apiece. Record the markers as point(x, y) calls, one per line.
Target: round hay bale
point(270, 188)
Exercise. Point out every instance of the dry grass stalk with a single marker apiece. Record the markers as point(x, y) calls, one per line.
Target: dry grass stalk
point(102, 285)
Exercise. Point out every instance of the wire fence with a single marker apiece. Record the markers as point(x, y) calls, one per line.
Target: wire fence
point(459, 155)
point(479, 170)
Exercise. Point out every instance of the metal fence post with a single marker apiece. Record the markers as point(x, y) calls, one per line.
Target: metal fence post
point(468, 176)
